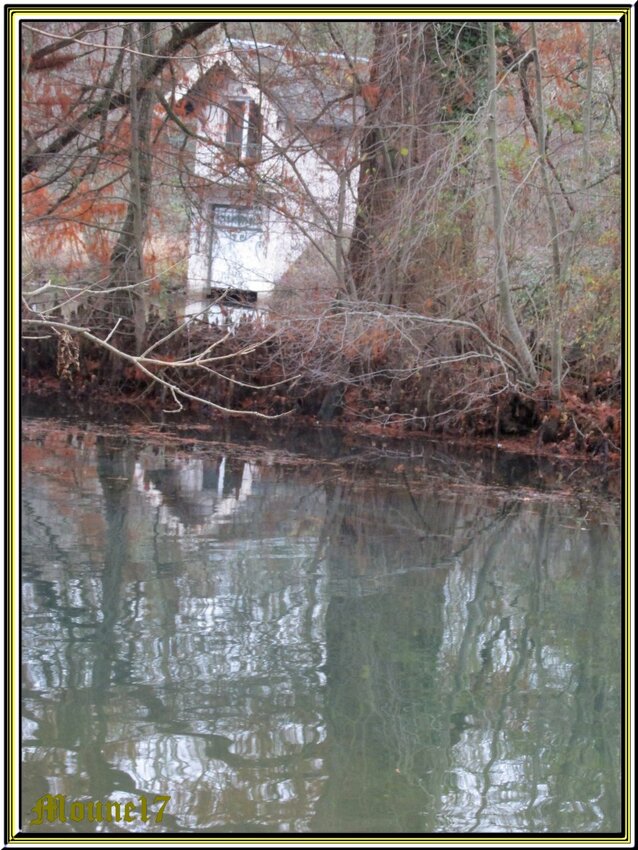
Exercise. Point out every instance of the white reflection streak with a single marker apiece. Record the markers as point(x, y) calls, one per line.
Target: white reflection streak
point(165, 761)
point(191, 479)
point(228, 505)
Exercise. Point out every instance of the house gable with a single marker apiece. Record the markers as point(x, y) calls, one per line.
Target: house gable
point(278, 167)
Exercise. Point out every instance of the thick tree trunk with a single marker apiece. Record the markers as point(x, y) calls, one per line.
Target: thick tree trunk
point(388, 241)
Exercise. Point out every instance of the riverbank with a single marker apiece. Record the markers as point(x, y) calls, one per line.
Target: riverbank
point(349, 450)
point(576, 430)
point(277, 376)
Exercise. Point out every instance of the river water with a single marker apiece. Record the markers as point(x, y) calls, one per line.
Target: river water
point(326, 639)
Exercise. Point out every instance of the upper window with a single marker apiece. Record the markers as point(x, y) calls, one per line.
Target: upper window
point(244, 129)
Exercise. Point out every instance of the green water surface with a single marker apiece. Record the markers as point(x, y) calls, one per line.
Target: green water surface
point(282, 645)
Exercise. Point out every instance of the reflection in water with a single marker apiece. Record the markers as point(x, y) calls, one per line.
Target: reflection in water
point(285, 649)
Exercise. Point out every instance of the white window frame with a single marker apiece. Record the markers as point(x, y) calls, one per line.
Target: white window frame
point(245, 124)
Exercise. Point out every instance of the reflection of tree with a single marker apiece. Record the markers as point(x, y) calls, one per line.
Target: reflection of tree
point(529, 752)
point(115, 468)
point(88, 655)
point(587, 748)
point(382, 719)
point(460, 687)
point(389, 729)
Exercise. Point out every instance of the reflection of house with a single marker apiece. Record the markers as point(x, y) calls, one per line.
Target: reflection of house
point(194, 494)
point(276, 152)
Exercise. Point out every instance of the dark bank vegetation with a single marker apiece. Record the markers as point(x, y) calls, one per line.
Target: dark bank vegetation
point(478, 292)
point(375, 373)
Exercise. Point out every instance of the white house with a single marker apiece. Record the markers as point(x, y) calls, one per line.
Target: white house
point(275, 165)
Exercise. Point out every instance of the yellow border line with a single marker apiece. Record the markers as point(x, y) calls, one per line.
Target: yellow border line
point(12, 390)
point(159, 12)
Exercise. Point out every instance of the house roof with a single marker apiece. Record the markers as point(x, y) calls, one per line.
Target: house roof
point(306, 88)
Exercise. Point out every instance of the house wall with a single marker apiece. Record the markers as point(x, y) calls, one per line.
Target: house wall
point(303, 206)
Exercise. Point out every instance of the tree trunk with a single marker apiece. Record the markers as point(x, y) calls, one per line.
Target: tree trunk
point(389, 239)
point(512, 329)
point(126, 302)
point(555, 298)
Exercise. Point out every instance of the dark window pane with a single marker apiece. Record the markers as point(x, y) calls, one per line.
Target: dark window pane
point(254, 131)
point(234, 126)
